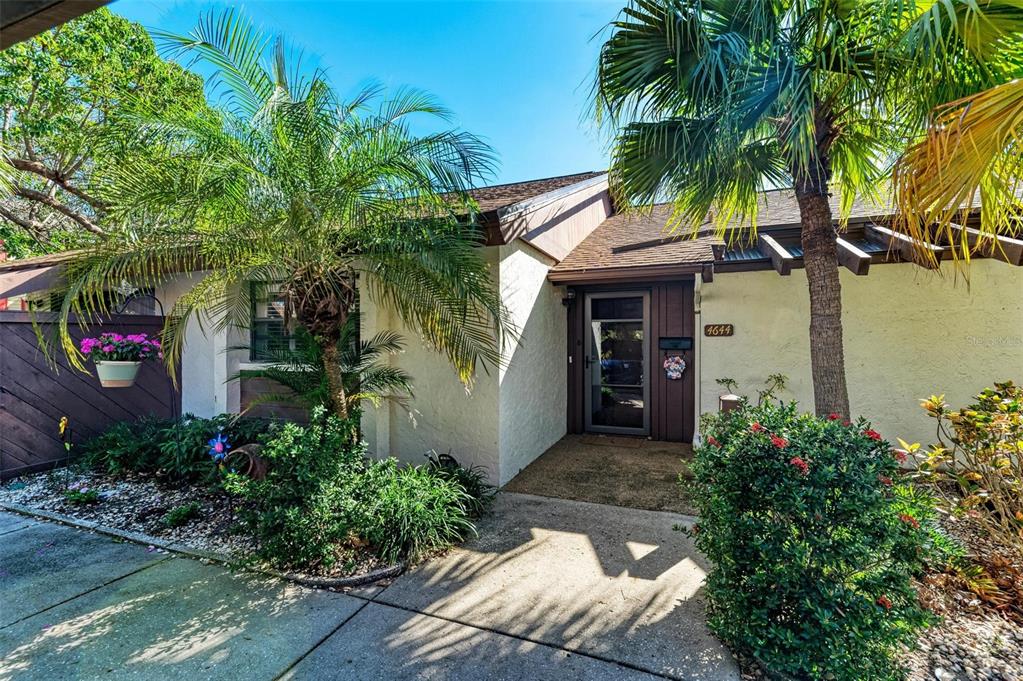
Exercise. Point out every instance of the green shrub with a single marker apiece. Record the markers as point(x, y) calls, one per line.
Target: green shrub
point(411, 511)
point(472, 479)
point(978, 460)
point(812, 542)
point(294, 511)
point(177, 449)
point(322, 502)
point(182, 515)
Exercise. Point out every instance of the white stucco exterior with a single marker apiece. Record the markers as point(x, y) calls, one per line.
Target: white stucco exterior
point(534, 380)
point(444, 416)
point(511, 414)
point(908, 333)
point(207, 364)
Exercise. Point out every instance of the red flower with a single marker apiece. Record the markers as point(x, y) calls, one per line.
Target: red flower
point(804, 468)
point(847, 422)
point(872, 434)
point(884, 602)
point(711, 440)
point(779, 442)
point(885, 480)
point(910, 520)
point(757, 428)
point(833, 416)
point(900, 455)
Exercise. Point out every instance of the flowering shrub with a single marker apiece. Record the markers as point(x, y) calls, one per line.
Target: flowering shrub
point(980, 452)
point(113, 347)
point(81, 493)
point(812, 544)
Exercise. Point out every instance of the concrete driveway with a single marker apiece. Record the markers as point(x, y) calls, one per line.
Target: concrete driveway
point(553, 589)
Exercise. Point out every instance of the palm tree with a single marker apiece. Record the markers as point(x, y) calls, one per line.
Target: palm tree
point(713, 101)
point(284, 183)
point(973, 149)
point(363, 375)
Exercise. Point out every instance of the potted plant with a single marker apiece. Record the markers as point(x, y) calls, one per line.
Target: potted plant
point(117, 358)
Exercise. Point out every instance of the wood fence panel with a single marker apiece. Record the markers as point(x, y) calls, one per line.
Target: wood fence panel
point(36, 391)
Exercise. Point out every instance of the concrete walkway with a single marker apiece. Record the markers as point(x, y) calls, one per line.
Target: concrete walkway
point(552, 590)
point(606, 469)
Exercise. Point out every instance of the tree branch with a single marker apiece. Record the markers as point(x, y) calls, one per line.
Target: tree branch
point(33, 227)
point(56, 177)
point(33, 195)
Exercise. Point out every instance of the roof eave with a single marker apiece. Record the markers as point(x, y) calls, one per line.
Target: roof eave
point(501, 224)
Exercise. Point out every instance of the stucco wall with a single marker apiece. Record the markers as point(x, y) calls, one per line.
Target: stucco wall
point(444, 416)
point(510, 415)
point(908, 333)
point(206, 362)
point(534, 381)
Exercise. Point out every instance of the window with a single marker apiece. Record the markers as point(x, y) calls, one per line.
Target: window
point(269, 337)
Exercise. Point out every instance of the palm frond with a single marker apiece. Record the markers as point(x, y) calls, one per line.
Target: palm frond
point(972, 154)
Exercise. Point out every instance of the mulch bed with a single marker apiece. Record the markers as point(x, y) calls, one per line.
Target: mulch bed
point(139, 504)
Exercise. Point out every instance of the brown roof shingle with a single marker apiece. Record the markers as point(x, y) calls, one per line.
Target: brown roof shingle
point(504, 195)
point(639, 240)
point(620, 241)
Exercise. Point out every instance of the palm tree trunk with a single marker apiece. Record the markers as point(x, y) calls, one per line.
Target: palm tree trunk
point(332, 366)
point(820, 257)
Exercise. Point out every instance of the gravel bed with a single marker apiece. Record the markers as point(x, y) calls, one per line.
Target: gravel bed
point(137, 504)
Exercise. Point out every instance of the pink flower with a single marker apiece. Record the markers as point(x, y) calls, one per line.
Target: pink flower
point(900, 455)
point(779, 442)
point(108, 348)
point(872, 434)
point(803, 466)
point(757, 428)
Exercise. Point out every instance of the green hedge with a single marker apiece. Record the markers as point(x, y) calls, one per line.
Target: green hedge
point(813, 543)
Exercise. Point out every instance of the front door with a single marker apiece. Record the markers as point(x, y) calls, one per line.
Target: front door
point(617, 362)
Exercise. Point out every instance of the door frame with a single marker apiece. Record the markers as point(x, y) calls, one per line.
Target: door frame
point(588, 374)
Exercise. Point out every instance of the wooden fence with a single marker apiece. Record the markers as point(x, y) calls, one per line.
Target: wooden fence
point(35, 394)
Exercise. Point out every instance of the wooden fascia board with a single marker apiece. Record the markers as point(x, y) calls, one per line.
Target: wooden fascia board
point(907, 247)
point(624, 274)
point(780, 258)
point(852, 258)
point(1000, 247)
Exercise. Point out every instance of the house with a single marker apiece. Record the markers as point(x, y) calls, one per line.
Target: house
point(608, 303)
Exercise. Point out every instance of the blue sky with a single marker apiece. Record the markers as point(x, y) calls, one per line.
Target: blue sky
point(515, 72)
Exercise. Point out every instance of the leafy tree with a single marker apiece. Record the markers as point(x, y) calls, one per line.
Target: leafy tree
point(714, 101)
point(287, 184)
point(58, 95)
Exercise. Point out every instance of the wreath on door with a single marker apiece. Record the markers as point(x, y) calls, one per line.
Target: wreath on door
point(674, 365)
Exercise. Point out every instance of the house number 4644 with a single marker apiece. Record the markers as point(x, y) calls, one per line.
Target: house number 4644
point(718, 330)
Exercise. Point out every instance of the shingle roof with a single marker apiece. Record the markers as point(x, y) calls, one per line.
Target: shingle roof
point(640, 240)
point(619, 242)
point(503, 195)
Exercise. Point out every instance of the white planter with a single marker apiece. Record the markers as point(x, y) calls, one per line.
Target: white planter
point(118, 374)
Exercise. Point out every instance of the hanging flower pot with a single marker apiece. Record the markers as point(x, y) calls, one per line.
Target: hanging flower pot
point(114, 374)
point(118, 357)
